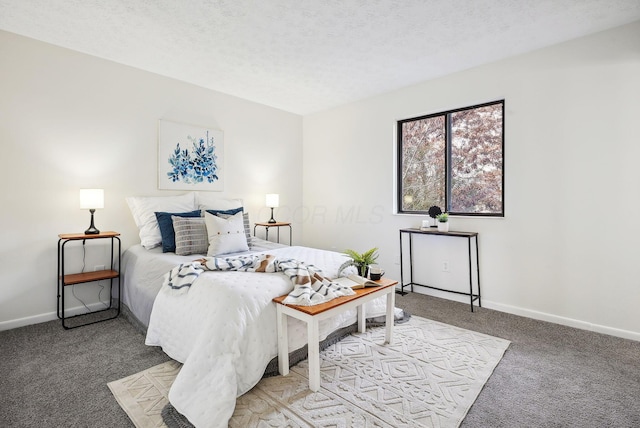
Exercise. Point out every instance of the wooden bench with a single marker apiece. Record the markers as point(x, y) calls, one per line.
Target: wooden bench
point(312, 315)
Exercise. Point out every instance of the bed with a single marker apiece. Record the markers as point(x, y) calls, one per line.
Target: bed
point(223, 329)
point(144, 271)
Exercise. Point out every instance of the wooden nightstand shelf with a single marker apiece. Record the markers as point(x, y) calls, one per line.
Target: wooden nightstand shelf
point(65, 279)
point(277, 225)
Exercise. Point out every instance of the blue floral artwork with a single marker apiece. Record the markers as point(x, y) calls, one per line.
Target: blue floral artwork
point(189, 158)
point(197, 166)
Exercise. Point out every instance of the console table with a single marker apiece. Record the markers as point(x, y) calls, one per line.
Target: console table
point(453, 234)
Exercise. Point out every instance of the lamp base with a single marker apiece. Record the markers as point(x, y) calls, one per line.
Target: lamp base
point(272, 220)
point(92, 229)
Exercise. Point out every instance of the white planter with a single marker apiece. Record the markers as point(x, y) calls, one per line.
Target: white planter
point(443, 227)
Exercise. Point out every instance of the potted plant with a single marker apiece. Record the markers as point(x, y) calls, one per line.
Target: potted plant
point(443, 222)
point(360, 261)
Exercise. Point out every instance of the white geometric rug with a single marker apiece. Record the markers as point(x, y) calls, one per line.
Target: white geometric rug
point(143, 395)
point(429, 377)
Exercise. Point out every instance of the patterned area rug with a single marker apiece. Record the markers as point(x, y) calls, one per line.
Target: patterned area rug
point(429, 377)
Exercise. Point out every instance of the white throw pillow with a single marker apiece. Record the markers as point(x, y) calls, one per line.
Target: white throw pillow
point(247, 226)
point(144, 208)
point(209, 201)
point(226, 235)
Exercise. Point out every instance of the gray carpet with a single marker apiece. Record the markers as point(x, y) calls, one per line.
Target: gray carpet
point(51, 377)
point(551, 376)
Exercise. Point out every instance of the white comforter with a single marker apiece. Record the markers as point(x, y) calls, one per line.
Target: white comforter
point(224, 332)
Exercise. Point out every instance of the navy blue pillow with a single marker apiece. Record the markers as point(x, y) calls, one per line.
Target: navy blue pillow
point(166, 229)
point(232, 211)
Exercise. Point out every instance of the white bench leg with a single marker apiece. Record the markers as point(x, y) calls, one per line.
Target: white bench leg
point(391, 303)
point(362, 322)
point(314, 354)
point(283, 341)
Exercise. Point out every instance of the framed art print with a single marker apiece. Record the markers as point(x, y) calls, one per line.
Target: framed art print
point(190, 157)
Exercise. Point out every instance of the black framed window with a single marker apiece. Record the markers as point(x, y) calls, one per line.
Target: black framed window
point(454, 160)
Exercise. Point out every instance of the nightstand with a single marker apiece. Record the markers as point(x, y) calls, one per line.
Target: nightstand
point(277, 225)
point(66, 279)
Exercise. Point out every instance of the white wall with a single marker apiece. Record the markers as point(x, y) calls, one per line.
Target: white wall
point(69, 121)
point(567, 249)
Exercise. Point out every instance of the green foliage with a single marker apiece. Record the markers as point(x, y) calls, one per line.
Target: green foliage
point(360, 261)
point(443, 218)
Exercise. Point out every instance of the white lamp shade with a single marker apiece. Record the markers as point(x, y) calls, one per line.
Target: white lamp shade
point(91, 199)
point(273, 200)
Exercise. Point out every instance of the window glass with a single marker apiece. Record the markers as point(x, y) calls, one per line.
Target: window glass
point(423, 173)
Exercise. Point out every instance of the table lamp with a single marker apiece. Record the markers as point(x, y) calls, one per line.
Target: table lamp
point(272, 201)
point(91, 199)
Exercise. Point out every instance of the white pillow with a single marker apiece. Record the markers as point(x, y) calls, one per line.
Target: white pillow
point(226, 235)
point(144, 208)
point(247, 226)
point(209, 201)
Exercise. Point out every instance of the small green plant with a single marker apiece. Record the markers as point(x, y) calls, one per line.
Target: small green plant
point(360, 261)
point(443, 218)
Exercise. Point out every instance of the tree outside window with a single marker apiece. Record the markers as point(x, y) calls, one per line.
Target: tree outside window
point(454, 160)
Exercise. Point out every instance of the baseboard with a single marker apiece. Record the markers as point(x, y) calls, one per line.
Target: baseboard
point(536, 315)
point(570, 322)
point(21, 322)
point(49, 316)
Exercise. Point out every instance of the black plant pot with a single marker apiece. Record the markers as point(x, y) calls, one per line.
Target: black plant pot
point(363, 271)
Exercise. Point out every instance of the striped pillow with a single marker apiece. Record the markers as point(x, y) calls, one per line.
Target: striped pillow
point(191, 235)
point(247, 228)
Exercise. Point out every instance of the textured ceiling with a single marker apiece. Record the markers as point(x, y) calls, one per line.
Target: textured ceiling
point(308, 55)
